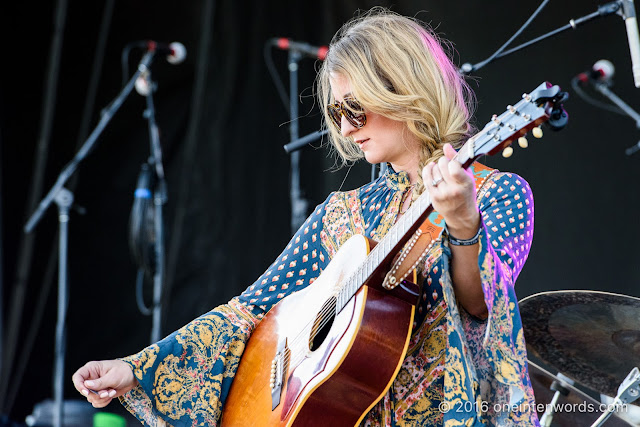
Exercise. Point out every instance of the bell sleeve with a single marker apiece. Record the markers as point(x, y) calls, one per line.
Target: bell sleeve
point(486, 363)
point(183, 380)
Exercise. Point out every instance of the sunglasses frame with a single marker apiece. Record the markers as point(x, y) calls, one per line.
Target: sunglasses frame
point(338, 109)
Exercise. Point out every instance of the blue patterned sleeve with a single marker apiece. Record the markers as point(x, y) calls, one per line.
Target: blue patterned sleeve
point(184, 379)
point(296, 267)
point(506, 206)
point(486, 361)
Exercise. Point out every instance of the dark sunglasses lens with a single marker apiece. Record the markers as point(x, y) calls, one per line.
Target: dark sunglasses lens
point(334, 113)
point(356, 119)
point(354, 113)
point(353, 104)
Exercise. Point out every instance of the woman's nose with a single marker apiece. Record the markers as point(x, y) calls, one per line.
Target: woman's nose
point(346, 128)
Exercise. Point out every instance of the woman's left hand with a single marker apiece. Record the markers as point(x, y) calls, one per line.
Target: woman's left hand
point(454, 194)
point(454, 197)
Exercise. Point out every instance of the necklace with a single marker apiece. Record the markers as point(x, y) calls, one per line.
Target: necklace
point(403, 201)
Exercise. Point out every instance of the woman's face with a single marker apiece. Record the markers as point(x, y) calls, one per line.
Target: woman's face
point(381, 139)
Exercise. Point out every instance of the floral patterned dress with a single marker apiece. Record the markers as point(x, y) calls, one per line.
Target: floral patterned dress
point(458, 370)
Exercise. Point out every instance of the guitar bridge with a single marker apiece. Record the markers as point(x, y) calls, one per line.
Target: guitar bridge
point(278, 369)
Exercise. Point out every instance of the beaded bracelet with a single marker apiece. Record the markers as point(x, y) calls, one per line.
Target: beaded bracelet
point(463, 242)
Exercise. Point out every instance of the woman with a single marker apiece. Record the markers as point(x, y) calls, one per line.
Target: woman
point(392, 95)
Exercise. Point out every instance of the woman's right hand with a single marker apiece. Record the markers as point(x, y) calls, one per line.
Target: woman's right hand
point(101, 381)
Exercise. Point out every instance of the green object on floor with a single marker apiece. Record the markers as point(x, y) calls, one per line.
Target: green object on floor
point(105, 419)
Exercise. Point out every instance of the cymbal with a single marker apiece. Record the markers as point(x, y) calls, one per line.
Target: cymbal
point(590, 336)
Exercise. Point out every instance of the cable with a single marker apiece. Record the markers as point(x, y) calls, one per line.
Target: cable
point(142, 236)
point(190, 147)
point(139, 297)
point(268, 59)
point(124, 62)
point(549, 34)
point(517, 33)
point(27, 243)
point(588, 99)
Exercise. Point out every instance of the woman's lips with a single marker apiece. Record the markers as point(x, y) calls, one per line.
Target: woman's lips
point(362, 142)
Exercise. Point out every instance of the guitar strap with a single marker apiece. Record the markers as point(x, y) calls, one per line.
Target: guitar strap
point(424, 238)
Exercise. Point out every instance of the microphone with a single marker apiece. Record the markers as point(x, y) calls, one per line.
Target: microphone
point(175, 52)
point(316, 52)
point(629, 16)
point(602, 71)
point(600, 76)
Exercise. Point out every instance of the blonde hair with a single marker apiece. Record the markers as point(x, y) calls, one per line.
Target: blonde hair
point(397, 67)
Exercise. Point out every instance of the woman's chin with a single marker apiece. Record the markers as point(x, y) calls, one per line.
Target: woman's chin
point(372, 158)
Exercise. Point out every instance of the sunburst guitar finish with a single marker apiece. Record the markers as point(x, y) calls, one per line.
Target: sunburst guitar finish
point(307, 366)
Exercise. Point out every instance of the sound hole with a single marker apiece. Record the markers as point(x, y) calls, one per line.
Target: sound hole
point(322, 324)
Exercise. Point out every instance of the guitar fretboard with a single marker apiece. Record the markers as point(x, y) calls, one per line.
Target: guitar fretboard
point(397, 236)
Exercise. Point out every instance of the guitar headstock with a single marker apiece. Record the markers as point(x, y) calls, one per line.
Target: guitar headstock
point(543, 104)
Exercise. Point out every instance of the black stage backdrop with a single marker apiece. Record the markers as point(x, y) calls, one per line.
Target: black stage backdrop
point(228, 211)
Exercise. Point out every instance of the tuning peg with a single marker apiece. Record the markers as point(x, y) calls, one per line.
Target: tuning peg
point(507, 152)
point(522, 142)
point(537, 132)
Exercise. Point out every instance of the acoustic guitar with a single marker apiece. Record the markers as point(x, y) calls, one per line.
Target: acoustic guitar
point(325, 355)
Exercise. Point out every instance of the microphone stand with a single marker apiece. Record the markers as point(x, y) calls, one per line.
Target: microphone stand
point(603, 88)
point(159, 200)
point(298, 203)
point(604, 10)
point(299, 143)
point(63, 198)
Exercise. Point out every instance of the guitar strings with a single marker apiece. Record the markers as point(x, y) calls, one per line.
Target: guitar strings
point(297, 350)
point(313, 328)
point(310, 329)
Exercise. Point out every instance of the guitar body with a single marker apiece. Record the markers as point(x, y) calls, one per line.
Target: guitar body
point(332, 379)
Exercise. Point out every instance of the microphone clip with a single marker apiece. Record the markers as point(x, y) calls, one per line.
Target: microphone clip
point(610, 8)
point(144, 85)
point(626, 9)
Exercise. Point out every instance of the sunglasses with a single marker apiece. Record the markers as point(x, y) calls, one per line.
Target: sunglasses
point(350, 109)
